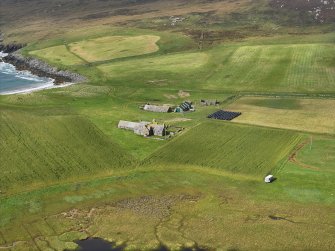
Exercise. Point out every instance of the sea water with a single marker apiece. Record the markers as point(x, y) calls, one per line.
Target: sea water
point(13, 81)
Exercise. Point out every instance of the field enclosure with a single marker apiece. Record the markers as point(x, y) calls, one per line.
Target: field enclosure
point(58, 55)
point(168, 63)
point(107, 48)
point(263, 68)
point(295, 67)
point(318, 154)
point(311, 115)
point(44, 148)
point(139, 58)
point(239, 149)
point(99, 49)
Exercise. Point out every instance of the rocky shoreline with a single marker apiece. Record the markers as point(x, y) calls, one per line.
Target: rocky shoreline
point(36, 66)
point(10, 48)
point(42, 69)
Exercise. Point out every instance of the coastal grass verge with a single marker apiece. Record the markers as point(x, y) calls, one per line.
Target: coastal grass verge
point(57, 55)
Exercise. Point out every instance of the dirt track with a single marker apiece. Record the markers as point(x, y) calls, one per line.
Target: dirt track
point(293, 157)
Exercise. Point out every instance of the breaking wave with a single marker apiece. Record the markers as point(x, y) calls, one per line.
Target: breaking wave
point(13, 81)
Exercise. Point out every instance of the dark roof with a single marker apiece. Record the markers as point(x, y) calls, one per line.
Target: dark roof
point(186, 106)
point(224, 115)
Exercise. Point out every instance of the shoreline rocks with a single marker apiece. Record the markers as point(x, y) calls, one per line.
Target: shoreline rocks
point(10, 48)
point(41, 69)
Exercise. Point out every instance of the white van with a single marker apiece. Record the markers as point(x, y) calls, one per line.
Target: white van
point(269, 179)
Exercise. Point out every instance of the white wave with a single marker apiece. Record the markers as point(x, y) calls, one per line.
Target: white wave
point(9, 69)
point(30, 78)
point(4, 66)
point(38, 83)
point(48, 85)
point(2, 54)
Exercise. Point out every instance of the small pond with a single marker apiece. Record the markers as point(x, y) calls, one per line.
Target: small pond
point(97, 244)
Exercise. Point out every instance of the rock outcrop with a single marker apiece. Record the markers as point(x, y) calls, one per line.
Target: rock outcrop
point(10, 48)
point(42, 69)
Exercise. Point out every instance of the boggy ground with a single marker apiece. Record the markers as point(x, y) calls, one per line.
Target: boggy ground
point(176, 209)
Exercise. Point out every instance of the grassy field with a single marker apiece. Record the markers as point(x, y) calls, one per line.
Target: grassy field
point(239, 149)
point(166, 64)
point(262, 68)
point(57, 55)
point(38, 148)
point(107, 48)
point(311, 115)
point(270, 65)
point(318, 154)
point(281, 68)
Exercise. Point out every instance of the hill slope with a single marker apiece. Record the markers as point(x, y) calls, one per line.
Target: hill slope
point(40, 149)
point(211, 21)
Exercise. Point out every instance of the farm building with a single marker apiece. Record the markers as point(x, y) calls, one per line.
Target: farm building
point(159, 130)
point(157, 108)
point(184, 107)
point(143, 128)
point(224, 115)
point(208, 102)
point(128, 125)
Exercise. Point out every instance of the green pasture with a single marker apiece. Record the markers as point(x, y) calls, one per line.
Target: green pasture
point(263, 68)
point(318, 154)
point(107, 48)
point(133, 60)
point(58, 55)
point(43, 147)
point(101, 44)
point(105, 106)
point(302, 114)
point(309, 177)
point(299, 68)
point(175, 63)
point(239, 149)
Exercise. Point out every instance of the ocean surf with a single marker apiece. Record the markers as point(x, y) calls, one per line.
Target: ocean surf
point(13, 81)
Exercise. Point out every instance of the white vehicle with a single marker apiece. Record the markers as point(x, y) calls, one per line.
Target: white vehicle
point(269, 179)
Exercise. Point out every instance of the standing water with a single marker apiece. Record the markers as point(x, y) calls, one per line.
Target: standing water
point(97, 244)
point(13, 81)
